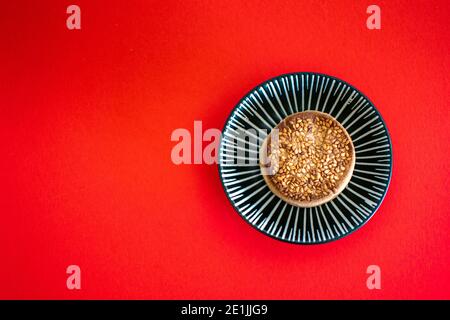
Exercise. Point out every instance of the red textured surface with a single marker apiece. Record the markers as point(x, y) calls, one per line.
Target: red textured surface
point(85, 171)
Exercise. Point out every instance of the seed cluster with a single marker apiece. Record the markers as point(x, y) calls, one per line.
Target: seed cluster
point(310, 159)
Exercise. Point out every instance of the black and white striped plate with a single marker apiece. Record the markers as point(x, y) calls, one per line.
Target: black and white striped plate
point(263, 108)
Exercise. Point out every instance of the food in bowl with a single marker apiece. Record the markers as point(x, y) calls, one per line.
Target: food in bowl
point(308, 158)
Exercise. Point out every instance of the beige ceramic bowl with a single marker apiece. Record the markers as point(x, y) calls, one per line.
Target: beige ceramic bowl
point(314, 202)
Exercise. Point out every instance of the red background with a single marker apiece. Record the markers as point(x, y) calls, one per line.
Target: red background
point(86, 174)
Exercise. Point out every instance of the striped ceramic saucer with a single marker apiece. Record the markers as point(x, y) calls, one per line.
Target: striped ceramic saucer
point(259, 112)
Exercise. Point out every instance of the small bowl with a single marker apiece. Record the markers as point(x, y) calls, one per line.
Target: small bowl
point(342, 183)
